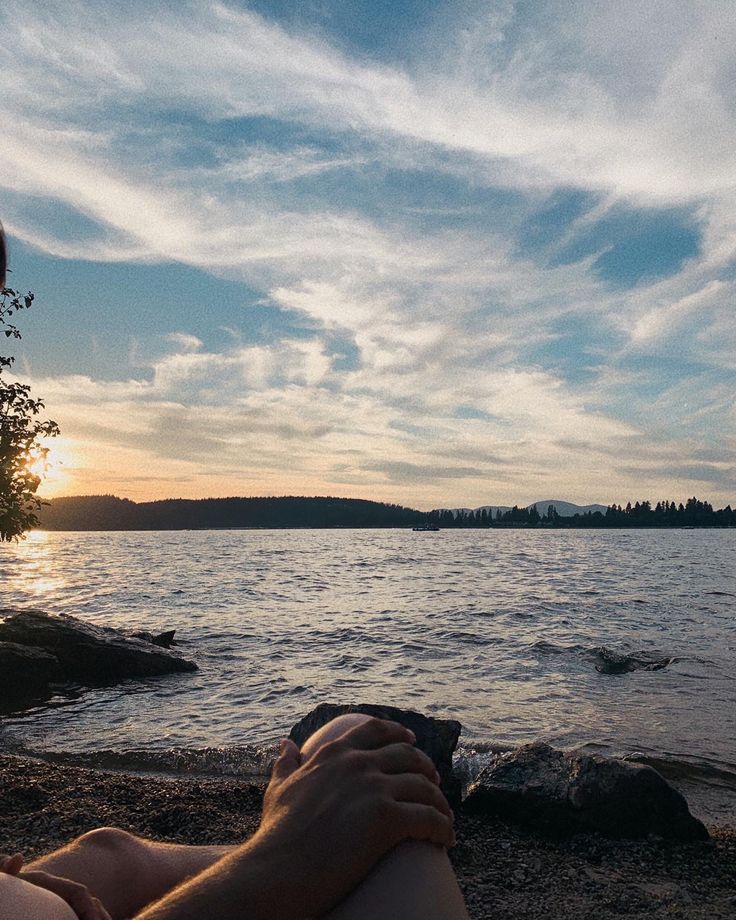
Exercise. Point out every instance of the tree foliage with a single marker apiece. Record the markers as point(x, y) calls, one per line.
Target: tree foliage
point(694, 513)
point(21, 431)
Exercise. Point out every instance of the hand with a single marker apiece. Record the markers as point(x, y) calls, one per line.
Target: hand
point(328, 821)
point(75, 895)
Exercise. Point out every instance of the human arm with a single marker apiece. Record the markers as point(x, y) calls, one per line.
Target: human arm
point(326, 823)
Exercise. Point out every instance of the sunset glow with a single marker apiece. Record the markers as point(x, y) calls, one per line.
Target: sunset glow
point(54, 464)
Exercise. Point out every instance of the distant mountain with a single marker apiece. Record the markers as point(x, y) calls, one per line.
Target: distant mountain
point(491, 509)
point(564, 509)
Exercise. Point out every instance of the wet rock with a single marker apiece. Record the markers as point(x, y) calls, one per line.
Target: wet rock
point(608, 661)
point(25, 670)
point(436, 737)
point(563, 793)
point(86, 653)
point(164, 639)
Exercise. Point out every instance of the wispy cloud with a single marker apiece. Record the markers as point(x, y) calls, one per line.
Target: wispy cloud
point(523, 234)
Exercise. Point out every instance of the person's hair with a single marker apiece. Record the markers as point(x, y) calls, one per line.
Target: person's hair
point(3, 257)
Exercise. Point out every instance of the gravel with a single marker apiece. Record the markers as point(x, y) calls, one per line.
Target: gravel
point(504, 871)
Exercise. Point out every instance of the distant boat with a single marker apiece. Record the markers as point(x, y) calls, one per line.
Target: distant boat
point(425, 527)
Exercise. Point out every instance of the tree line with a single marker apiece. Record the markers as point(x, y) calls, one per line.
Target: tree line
point(693, 513)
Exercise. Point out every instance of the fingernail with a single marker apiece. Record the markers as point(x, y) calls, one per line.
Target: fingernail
point(437, 777)
point(413, 736)
point(282, 745)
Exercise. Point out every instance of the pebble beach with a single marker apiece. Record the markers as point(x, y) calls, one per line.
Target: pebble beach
point(504, 871)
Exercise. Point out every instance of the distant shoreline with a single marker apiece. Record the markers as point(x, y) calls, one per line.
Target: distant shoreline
point(265, 527)
point(110, 513)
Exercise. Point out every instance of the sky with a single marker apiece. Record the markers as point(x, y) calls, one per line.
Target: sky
point(434, 253)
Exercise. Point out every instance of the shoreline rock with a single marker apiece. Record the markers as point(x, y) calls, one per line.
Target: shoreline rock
point(436, 737)
point(563, 793)
point(609, 661)
point(41, 649)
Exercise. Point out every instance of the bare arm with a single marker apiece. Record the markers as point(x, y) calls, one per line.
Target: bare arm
point(326, 823)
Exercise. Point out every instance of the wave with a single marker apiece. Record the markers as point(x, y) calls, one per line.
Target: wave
point(249, 762)
point(255, 761)
point(692, 770)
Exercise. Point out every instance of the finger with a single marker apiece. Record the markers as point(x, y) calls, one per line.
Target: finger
point(404, 758)
point(11, 865)
point(82, 903)
point(287, 762)
point(424, 822)
point(417, 789)
point(375, 733)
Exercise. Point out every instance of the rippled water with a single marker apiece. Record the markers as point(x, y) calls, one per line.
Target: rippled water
point(498, 629)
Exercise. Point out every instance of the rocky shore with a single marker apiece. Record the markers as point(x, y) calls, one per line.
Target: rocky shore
point(40, 651)
point(505, 871)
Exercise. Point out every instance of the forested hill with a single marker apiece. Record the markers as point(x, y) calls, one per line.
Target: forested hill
point(106, 512)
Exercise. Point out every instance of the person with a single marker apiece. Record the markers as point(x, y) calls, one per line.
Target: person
point(354, 826)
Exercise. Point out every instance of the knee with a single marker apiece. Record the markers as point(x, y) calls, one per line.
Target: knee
point(331, 731)
point(130, 855)
point(109, 840)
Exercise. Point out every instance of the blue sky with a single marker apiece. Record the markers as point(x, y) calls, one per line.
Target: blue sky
point(440, 254)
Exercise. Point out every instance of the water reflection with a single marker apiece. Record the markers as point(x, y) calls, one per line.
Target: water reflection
point(32, 568)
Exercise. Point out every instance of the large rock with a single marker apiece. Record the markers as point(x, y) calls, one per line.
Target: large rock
point(608, 661)
point(25, 671)
point(87, 653)
point(563, 793)
point(436, 737)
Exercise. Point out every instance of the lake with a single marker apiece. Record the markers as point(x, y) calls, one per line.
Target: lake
point(501, 629)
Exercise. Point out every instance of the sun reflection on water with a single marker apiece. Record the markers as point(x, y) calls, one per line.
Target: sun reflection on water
point(33, 567)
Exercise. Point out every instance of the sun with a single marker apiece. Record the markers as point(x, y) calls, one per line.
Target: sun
point(39, 462)
point(52, 462)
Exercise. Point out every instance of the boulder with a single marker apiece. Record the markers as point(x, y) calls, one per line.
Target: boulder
point(88, 653)
point(436, 737)
point(608, 661)
point(563, 793)
point(26, 671)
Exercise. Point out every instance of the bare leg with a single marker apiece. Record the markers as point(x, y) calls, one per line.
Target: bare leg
point(127, 872)
point(415, 881)
point(20, 900)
